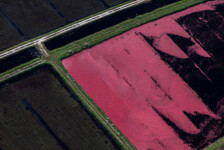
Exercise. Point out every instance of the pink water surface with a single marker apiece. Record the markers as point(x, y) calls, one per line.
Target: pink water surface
point(127, 79)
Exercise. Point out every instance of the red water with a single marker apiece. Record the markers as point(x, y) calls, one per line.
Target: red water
point(126, 79)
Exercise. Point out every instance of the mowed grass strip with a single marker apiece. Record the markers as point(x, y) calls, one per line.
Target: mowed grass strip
point(54, 107)
point(108, 33)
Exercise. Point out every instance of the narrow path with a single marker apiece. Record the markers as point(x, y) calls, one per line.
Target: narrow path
point(43, 51)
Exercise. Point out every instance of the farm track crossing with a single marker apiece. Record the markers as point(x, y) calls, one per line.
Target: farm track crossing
point(71, 27)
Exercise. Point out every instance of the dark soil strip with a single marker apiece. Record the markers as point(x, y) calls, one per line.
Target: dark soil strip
point(192, 75)
point(210, 92)
point(201, 26)
point(13, 23)
point(208, 65)
point(158, 85)
point(18, 59)
point(104, 3)
point(104, 23)
point(207, 28)
point(220, 9)
point(216, 22)
point(197, 119)
point(179, 131)
point(204, 137)
point(57, 11)
point(43, 123)
point(127, 51)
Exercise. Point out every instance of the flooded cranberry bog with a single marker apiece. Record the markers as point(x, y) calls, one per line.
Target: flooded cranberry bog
point(161, 83)
point(43, 114)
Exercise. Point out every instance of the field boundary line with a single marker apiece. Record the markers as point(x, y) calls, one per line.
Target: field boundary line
point(99, 37)
point(92, 107)
point(21, 70)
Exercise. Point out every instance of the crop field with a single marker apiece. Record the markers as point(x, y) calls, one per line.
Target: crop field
point(8, 34)
point(32, 17)
point(161, 83)
point(18, 58)
point(42, 114)
point(26, 19)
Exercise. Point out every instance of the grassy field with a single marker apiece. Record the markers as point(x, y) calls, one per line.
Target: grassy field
point(33, 118)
